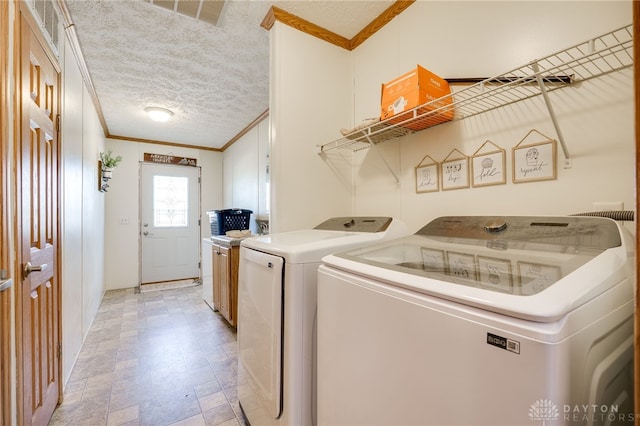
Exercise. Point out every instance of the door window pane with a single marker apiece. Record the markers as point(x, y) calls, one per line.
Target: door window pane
point(170, 201)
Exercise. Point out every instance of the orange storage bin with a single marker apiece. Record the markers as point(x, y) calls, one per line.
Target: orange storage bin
point(417, 87)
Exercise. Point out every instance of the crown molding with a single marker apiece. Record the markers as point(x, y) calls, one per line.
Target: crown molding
point(383, 19)
point(276, 14)
point(165, 143)
point(244, 131)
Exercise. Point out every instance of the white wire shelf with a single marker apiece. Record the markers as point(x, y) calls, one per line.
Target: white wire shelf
point(605, 54)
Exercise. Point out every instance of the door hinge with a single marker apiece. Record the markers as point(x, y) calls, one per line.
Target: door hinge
point(59, 349)
point(199, 265)
point(58, 123)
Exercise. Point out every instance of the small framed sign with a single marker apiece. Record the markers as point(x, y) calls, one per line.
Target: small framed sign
point(170, 159)
point(488, 168)
point(534, 161)
point(427, 178)
point(455, 171)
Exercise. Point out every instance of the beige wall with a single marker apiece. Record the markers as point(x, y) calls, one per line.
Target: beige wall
point(310, 101)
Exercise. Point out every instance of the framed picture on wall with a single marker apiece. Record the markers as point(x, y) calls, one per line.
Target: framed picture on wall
point(488, 166)
point(454, 171)
point(534, 161)
point(427, 178)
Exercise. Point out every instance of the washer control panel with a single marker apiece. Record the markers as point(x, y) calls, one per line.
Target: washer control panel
point(356, 224)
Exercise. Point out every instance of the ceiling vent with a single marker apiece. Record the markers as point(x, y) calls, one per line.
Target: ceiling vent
point(204, 10)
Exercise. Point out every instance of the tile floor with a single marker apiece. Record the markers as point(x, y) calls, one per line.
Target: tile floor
point(155, 358)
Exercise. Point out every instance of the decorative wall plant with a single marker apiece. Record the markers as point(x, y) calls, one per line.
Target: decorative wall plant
point(106, 164)
point(109, 161)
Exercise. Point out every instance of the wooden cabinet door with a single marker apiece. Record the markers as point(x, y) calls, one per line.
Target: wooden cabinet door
point(234, 265)
point(223, 279)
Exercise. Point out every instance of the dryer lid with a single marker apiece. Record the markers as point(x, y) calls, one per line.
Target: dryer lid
point(335, 234)
point(356, 224)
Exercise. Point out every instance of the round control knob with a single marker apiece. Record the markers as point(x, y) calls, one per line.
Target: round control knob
point(495, 225)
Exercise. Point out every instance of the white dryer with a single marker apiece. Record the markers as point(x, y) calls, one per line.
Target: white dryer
point(276, 314)
point(480, 321)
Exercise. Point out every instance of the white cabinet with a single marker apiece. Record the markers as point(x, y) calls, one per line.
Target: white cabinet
point(207, 271)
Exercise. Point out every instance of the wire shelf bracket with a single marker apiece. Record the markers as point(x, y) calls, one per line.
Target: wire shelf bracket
point(552, 115)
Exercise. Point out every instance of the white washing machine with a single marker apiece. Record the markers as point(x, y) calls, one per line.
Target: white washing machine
point(276, 314)
point(480, 321)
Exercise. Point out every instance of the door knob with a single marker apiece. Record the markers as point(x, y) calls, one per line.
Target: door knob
point(29, 268)
point(145, 233)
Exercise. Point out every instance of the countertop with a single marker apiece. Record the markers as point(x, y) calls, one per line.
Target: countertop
point(227, 241)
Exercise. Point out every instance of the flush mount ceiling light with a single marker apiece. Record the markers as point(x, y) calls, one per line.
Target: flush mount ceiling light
point(159, 114)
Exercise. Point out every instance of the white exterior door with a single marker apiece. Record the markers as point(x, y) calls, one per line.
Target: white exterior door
point(169, 222)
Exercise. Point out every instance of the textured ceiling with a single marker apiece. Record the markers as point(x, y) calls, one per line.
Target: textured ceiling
point(214, 78)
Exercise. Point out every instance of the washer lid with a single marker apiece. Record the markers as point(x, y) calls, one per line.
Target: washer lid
point(530, 267)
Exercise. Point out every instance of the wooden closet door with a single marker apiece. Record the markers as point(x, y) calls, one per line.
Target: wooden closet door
point(38, 303)
point(5, 248)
